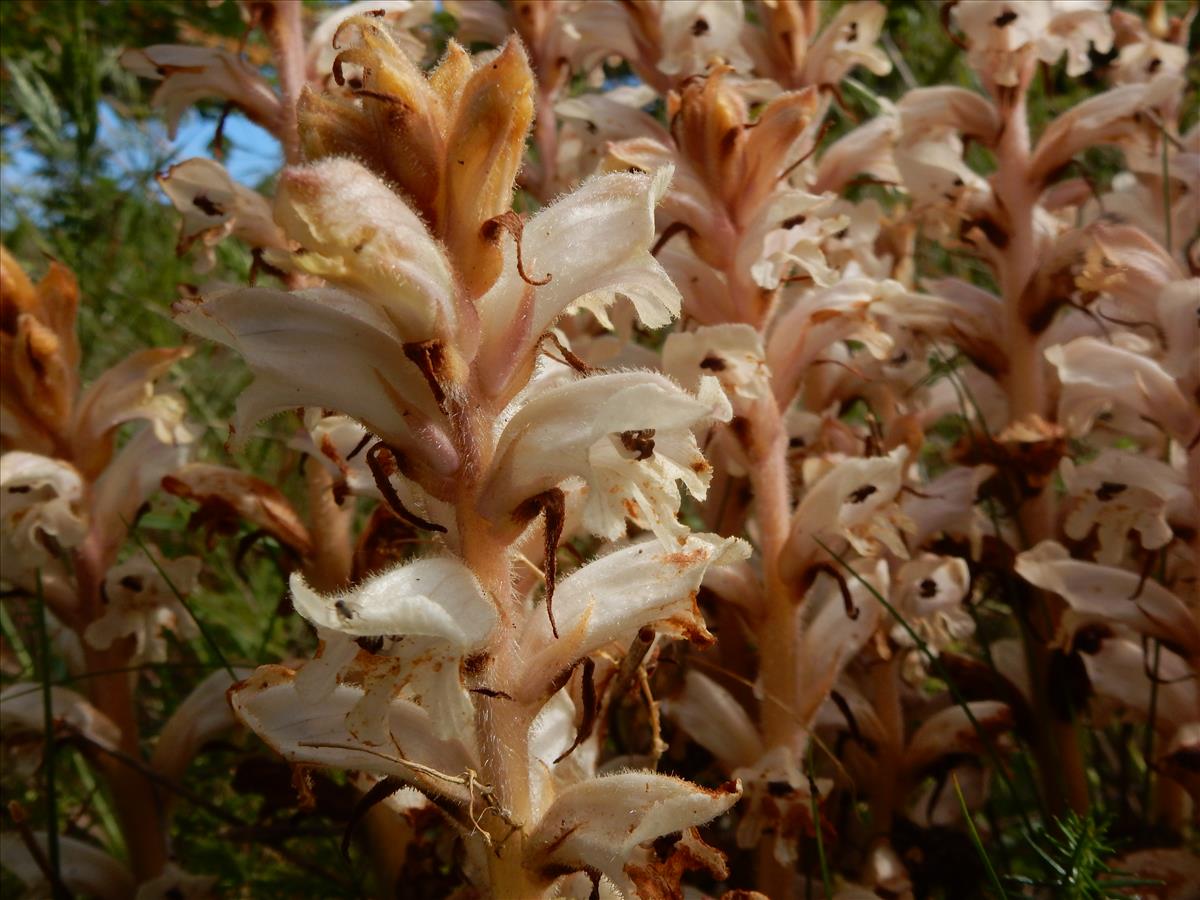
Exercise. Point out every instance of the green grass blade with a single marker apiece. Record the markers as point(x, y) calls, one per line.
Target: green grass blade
point(814, 798)
point(52, 849)
point(204, 632)
point(979, 848)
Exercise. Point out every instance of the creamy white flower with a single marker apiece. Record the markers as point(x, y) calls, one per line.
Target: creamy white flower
point(628, 434)
point(316, 734)
point(849, 40)
point(424, 616)
point(936, 111)
point(950, 732)
point(594, 246)
point(946, 505)
point(282, 335)
point(944, 189)
point(1119, 673)
point(1004, 35)
point(1117, 116)
point(716, 721)
point(143, 602)
point(612, 597)
point(812, 326)
point(212, 206)
point(733, 354)
point(22, 714)
point(930, 597)
point(852, 499)
point(40, 511)
point(382, 252)
point(772, 253)
point(833, 634)
point(125, 393)
point(601, 823)
point(1119, 492)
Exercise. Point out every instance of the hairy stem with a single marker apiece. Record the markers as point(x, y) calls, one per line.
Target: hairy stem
point(501, 724)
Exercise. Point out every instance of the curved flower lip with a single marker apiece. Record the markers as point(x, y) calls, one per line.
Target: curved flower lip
point(1096, 376)
point(1119, 673)
point(1114, 117)
point(86, 870)
point(122, 394)
point(715, 720)
point(1110, 595)
point(21, 712)
point(835, 634)
point(612, 597)
point(436, 597)
point(316, 734)
point(950, 732)
point(593, 245)
point(830, 315)
point(189, 74)
point(202, 716)
point(867, 150)
point(926, 110)
point(292, 342)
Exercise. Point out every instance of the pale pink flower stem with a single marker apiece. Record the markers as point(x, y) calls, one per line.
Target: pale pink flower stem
point(885, 679)
point(501, 724)
point(545, 138)
point(328, 570)
point(282, 24)
point(779, 630)
point(134, 798)
point(1064, 777)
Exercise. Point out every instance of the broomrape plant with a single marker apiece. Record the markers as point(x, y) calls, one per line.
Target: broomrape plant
point(922, 619)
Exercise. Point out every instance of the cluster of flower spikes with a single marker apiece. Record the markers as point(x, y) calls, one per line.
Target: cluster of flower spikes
point(448, 671)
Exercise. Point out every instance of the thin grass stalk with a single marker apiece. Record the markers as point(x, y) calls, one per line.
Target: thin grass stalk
point(993, 877)
point(48, 759)
point(815, 797)
point(203, 629)
point(1148, 739)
